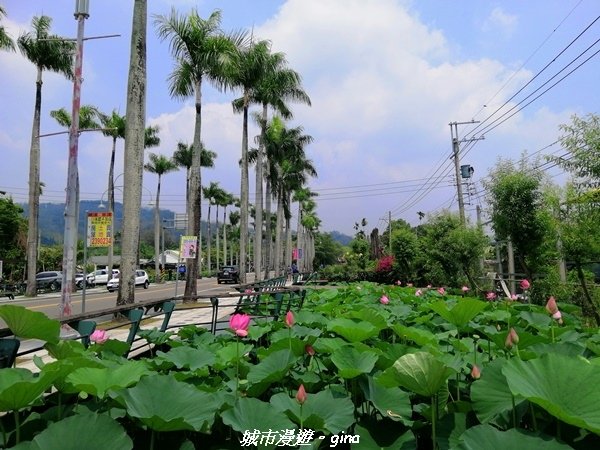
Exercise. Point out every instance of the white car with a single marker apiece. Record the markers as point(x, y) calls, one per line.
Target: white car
point(141, 279)
point(100, 276)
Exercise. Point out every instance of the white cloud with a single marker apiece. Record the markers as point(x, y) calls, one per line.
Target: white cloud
point(500, 21)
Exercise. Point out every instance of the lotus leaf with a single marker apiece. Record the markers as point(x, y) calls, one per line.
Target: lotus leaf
point(188, 357)
point(353, 331)
point(184, 408)
point(419, 336)
point(82, 431)
point(19, 387)
point(393, 403)
point(254, 414)
point(461, 313)
point(382, 436)
point(98, 381)
point(421, 373)
point(352, 362)
point(486, 437)
point(564, 386)
point(25, 323)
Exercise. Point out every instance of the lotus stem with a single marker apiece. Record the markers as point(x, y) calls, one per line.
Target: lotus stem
point(533, 419)
point(552, 330)
point(514, 411)
point(301, 418)
point(17, 427)
point(433, 421)
point(151, 439)
point(290, 338)
point(458, 386)
point(237, 366)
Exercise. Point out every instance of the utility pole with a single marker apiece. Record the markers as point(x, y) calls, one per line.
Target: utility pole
point(72, 197)
point(456, 156)
point(390, 230)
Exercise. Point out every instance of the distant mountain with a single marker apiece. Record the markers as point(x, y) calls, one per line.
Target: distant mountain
point(343, 239)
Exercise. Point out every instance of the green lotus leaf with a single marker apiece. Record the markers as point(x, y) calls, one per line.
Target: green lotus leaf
point(19, 387)
point(270, 370)
point(380, 436)
point(98, 381)
point(352, 362)
point(310, 318)
point(393, 403)
point(64, 367)
point(82, 431)
point(229, 353)
point(298, 346)
point(421, 373)
point(254, 414)
point(28, 324)
point(572, 349)
point(566, 387)
point(187, 357)
point(461, 313)
point(490, 394)
point(65, 349)
point(419, 336)
point(328, 345)
point(323, 411)
point(538, 320)
point(369, 315)
point(164, 404)
point(486, 437)
point(353, 331)
point(497, 315)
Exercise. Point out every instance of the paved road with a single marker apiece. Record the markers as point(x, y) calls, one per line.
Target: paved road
point(99, 298)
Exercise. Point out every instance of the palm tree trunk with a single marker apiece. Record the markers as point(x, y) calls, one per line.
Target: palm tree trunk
point(111, 204)
point(268, 230)
point(217, 243)
point(278, 237)
point(157, 277)
point(225, 235)
point(244, 194)
point(34, 191)
point(258, 202)
point(193, 207)
point(300, 244)
point(209, 240)
point(135, 117)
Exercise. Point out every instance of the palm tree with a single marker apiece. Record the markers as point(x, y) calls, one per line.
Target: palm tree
point(47, 52)
point(278, 85)
point(6, 43)
point(210, 194)
point(114, 127)
point(135, 117)
point(226, 200)
point(250, 67)
point(160, 165)
point(201, 52)
point(303, 196)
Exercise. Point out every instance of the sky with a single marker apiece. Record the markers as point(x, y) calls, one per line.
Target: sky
point(385, 78)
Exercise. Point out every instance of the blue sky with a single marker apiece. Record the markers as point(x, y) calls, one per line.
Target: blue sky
point(385, 77)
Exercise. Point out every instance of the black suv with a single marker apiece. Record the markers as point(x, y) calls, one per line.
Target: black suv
point(228, 274)
point(49, 280)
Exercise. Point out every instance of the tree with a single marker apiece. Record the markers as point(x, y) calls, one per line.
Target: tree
point(6, 43)
point(227, 199)
point(13, 236)
point(303, 196)
point(160, 165)
point(274, 87)
point(201, 52)
point(47, 52)
point(135, 117)
point(327, 250)
point(579, 219)
point(518, 211)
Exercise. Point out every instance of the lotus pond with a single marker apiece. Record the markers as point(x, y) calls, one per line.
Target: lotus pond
point(404, 372)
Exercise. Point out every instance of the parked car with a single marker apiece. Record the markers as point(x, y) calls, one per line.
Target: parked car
point(228, 274)
point(100, 276)
point(141, 279)
point(79, 280)
point(49, 280)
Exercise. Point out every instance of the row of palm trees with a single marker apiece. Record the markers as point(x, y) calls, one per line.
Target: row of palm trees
point(202, 53)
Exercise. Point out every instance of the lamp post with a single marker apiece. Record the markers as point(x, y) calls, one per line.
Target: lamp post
point(72, 197)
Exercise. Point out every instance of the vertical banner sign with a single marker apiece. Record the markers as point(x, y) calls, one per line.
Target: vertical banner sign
point(188, 246)
point(99, 229)
point(294, 253)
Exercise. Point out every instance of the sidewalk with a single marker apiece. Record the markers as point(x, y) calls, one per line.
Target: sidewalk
point(191, 314)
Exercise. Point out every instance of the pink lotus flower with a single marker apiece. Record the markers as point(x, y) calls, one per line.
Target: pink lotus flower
point(301, 395)
point(419, 293)
point(551, 305)
point(525, 284)
point(99, 337)
point(552, 308)
point(409, 284)
point(442, 291)
point(512, 338)
point(514, 297)
point(465, 289)
point(428, 286)
point(491, 296)
point(384, 300)
point(248, 291)
point(239, 323)
point(309, 350)
point(289, 319)
point(476, 372)
point(399, 283)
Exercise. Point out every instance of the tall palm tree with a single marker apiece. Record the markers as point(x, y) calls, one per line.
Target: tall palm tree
point(135, 117)
point(234, 220)
point(210, 193)
point(303, 196)
point(114, 127)
point(160, 165)
point(201, 52)
point(6, 43)
point(278, 85)
point(47, 52)
point(226, 200)
point(220, 200)
point(250, 67)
